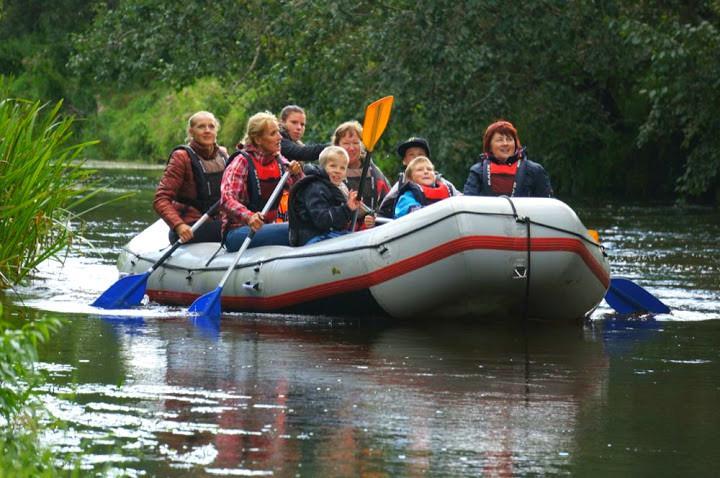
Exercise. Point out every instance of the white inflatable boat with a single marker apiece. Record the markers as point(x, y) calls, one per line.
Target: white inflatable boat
point(462, 257)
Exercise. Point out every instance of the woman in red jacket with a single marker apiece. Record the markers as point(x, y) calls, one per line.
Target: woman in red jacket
point(190, 184)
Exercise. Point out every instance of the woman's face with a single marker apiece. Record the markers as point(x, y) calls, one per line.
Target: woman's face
point(351, 143)
point(204, 131)
point(295, 125)
point(424, 174)
point(502, 146)
point(269, 142)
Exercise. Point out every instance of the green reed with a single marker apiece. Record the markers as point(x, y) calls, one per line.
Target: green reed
point(42, 182)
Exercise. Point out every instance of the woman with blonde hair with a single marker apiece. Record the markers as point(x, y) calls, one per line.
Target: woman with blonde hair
point(190, 184)
point(249, 182)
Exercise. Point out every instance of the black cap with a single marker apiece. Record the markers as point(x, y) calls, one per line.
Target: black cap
point(413, 142)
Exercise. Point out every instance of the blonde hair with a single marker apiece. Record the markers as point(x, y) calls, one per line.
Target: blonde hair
point(332, 153)
point(256, 126)
point(416, 161)
point(193, 119)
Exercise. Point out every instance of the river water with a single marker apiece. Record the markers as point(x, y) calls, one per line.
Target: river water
point(151, 393)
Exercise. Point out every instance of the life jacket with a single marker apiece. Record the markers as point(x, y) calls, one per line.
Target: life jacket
point(510, 169)
point(426, 195)
point(502, 177)
point(261, 182)
point(373, 187)
point(282, 210)
point(207, 184)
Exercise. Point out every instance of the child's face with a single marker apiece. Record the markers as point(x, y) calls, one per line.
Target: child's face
point(336, 169)
point(424, 174)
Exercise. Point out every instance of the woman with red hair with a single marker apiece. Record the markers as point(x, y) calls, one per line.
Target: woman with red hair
point(504, 169)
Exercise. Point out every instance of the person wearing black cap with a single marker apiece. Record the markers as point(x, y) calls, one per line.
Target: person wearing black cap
point(407, 151)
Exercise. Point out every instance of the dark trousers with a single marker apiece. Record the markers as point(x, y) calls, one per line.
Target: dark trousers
point(210, 231)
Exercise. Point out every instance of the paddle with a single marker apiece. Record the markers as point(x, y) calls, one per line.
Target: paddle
point(129, 290)
point(626, 297)
point(208, 305)
point(377, 115)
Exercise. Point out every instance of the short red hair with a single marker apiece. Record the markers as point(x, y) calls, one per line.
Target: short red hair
point(502, 127)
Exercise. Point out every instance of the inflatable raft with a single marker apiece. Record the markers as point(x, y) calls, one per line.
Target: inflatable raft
point(461, 257)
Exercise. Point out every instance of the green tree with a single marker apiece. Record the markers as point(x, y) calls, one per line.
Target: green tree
point(613, 98)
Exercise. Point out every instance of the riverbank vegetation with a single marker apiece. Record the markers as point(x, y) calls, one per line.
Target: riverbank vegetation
point(42, 184)
point(614, 98)
point(22, 416)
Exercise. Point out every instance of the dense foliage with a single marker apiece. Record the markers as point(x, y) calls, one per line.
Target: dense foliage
point(41, 184)
point(614, 98)
point(21, 455)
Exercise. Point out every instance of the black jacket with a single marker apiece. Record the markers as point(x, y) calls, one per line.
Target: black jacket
point(531, 179)
point(299, 152)
point(316, 207)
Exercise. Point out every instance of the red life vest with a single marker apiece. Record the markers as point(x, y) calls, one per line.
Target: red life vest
point(435, 193)
point(426, 195)
point(502, 177)
point(266, 178)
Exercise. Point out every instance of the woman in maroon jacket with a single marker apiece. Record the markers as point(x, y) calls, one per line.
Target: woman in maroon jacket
point(190, 184)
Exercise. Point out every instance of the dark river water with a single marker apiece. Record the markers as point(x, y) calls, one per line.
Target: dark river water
point(152, 393)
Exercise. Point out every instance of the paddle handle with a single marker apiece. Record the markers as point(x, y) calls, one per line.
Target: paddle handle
point(179, 242)
point(273, 197)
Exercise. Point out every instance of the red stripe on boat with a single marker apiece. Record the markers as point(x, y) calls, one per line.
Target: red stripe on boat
point(456, 246)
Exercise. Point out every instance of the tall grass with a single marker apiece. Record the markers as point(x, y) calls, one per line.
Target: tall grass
point(42, 182)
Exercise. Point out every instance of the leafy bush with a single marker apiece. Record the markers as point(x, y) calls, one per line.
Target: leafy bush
point(22, 455)
point(41, 182)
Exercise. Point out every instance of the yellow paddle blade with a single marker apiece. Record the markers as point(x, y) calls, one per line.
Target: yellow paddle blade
point(377, 115)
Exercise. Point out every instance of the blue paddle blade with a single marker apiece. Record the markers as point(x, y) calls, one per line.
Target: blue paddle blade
point(124, 293)
point(207, 305)
point(626, 297)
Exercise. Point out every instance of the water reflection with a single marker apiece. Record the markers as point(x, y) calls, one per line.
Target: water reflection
point(269, 396)
point(150, 392)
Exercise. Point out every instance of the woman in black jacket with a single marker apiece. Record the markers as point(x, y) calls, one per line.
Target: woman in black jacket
point(292, 129)
point(504, 169)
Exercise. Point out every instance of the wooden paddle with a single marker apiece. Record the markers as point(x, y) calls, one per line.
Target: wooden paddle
point(129, 290)
point(376, 119)
point(208, 305)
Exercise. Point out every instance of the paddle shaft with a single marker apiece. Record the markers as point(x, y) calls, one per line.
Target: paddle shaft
point(179, 242)
point(251, 234)
point(361, 186)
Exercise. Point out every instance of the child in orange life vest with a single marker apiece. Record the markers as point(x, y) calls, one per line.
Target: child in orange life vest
point(422, 187)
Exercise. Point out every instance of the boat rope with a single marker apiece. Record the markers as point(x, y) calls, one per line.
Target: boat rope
point(303, 255)
point(527, 221)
